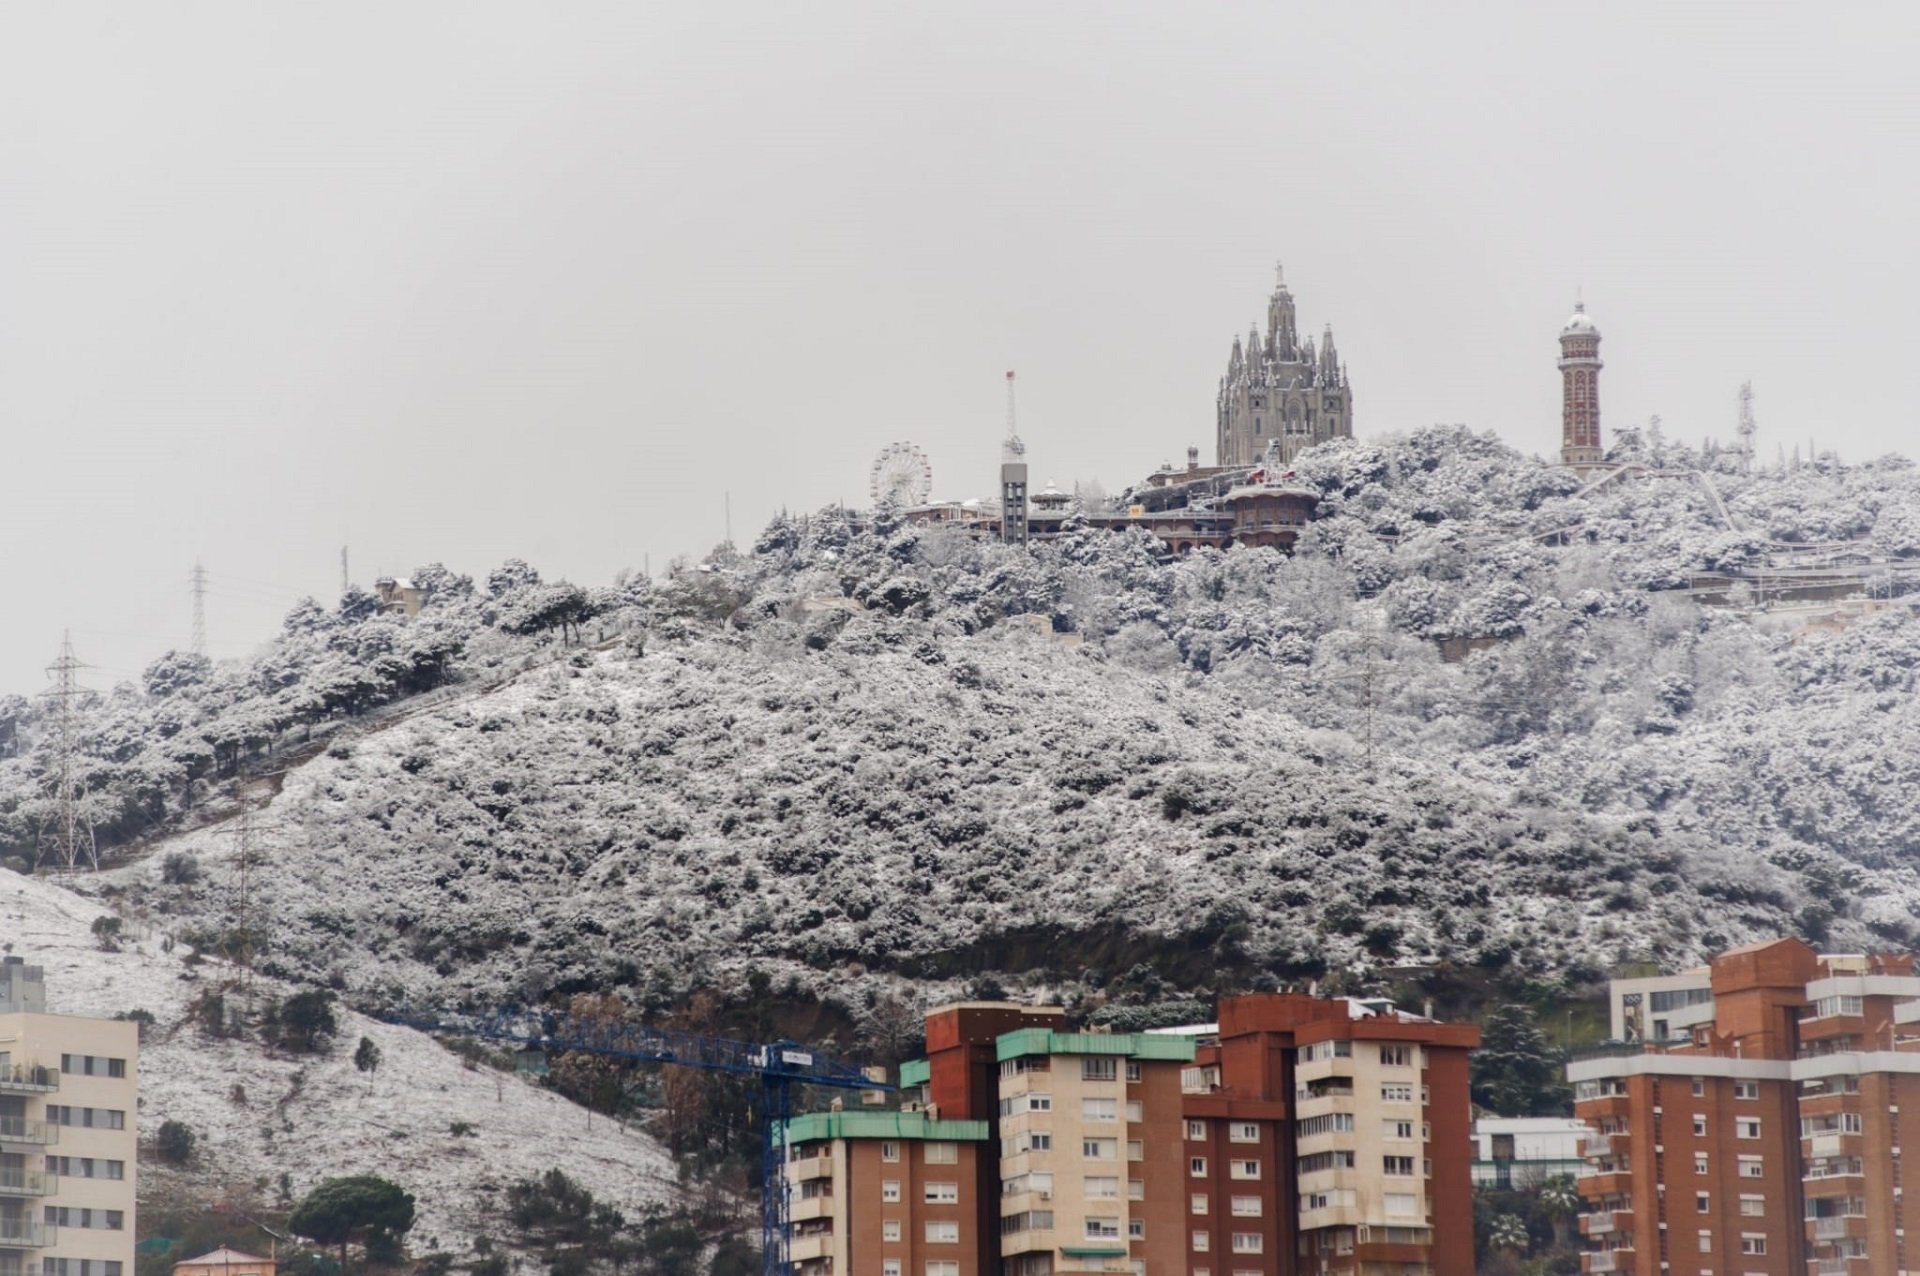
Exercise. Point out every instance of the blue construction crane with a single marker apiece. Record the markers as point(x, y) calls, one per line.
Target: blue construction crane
point(778, 1065)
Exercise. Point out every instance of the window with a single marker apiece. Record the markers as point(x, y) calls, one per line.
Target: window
point(890, 1229)
point(942, 1193)
point(889, 1151)
point(890, 1266)
point(1702, 1203)
point(1397, 1165)
point(1333, 1123)
point(1752, 1167)
point(1099, 1068)
point(1706, 1241)
point(1102, 1187)
point(92, 1065)
point(1133, 1069)
point(1040, 1141)
point(1753, 1242)
point(890, 1190)
point(1103, 1229)
point(943, 1267)
point(1746, 1089)
point(1699, 1087)
point(943, 1231)
point(1136, 1189)
point(78, 1267)
point(1746, 1127)
point(87, 1118)
point(75, 1216)
point(943, 1154)
point(1244, 1170)
point(1248, 1243)
point(1201, 1243)
point(1134, 1116)
point(1699, 1162)
point(1198, 1203)
point(1196, 1130)
point(1197, 1166)
point(1402, 1204)
point(1753, 1206)
point(1396, 1057)
point(1099, 1149)
point(1098, 1110)
point(1396, 1092)
point(1398, 1129)
point(1246, 1207)
point(1699, 1125)
point(1136, 1150)
point(86, 1167)
point(1244, 1132)
point(1137, 1229)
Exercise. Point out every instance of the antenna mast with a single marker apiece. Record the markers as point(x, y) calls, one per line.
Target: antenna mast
point(1013, 447)
point(72, 836)
point(198, 578)
point(1747, 427)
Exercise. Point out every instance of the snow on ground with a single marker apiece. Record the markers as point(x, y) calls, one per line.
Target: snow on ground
point(258, 1114)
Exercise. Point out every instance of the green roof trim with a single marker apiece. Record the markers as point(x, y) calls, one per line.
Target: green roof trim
point(1094, 1251)
point(914, 1072)
point(818, 1126)
point(1134, 1045)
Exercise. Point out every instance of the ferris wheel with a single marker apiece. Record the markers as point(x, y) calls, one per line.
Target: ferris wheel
point(901, 474)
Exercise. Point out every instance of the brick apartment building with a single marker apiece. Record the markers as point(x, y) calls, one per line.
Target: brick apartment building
point(1299, 1135)
point(69, 1099)
point(1764, 1136)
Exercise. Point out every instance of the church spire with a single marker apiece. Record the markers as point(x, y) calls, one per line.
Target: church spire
point(1280, 322)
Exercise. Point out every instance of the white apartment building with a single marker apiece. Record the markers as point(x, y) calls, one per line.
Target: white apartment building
point(69, 1098)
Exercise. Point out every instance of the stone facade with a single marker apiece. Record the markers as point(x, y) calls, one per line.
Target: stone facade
point(1280, 389)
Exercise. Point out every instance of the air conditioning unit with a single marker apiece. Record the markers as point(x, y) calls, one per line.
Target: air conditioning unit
point(1046, 1194)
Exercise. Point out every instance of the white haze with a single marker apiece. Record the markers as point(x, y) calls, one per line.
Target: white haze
point(466, 281)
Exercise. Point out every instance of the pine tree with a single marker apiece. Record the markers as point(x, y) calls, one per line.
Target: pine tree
point(1515, 1071)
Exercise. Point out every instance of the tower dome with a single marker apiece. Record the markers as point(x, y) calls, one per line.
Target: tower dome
point(1580, 325)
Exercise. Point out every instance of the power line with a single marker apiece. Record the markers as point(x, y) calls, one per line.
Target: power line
point(72, 835)
point(199, 579)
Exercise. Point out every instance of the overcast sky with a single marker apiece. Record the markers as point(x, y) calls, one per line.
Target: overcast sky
point(468, 281)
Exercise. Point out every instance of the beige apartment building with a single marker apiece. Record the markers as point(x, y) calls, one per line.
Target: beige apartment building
point(69, 1094)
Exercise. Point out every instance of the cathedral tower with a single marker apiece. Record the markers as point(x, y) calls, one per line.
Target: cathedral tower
point(1580, 390)
point(1278, 390)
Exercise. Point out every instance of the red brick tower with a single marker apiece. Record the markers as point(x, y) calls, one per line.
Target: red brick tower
point(1580, 390)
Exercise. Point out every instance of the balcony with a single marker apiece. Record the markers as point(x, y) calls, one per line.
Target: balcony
point(1600, 1146)
point(38, 1134)
point(28, 1183)
point(1038, 1240)
point(1838, 1227)
point(25, 1233)
point(1605, 1222)
point(812, 1167)
point(1611, 1260)
point(802, 1249)
point(805, 1208)
point(27, 1078)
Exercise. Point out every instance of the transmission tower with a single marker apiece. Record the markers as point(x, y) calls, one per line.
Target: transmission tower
point(1747, 427)
point(72, 837)
point(198, 578)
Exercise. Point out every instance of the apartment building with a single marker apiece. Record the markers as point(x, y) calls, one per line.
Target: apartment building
point(1767, 1138)
point(1078, 1113)
point(69, 1097)
point(1184, 1151)
point(884, 1194)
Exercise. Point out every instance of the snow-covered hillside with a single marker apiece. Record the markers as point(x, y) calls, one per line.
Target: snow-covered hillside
point(865, 762)
point(256, 1115)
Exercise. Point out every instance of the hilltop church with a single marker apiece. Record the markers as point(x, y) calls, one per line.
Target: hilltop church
point(1281, 390)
